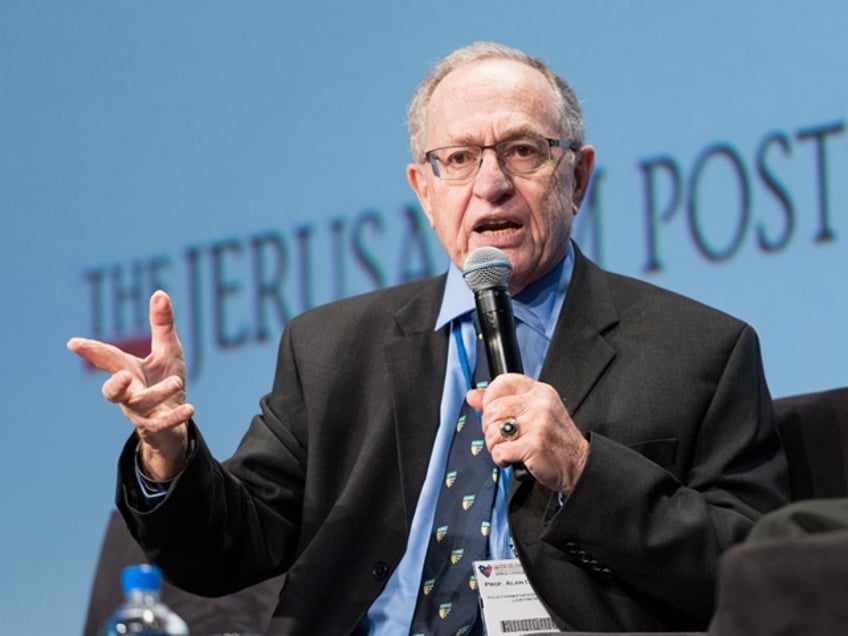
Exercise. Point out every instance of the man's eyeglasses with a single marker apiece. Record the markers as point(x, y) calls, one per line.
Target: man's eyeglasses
point(519, 155)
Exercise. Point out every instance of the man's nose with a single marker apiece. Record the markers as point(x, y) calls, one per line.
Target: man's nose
point(491, 180)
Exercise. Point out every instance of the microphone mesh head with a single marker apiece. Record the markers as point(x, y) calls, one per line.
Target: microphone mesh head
point(487, 267)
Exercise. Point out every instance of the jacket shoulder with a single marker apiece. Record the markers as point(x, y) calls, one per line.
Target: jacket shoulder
point(634, 297)
point(375, 309)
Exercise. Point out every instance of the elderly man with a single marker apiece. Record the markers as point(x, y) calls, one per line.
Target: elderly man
point(643, 418)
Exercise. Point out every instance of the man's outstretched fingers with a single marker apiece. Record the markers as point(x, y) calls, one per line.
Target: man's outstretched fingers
point(102, 355)
point(146, 400)
point(157, 422)
point(116, 388)
point(163, 333)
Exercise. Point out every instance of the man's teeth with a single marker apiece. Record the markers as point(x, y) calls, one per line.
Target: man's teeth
point(497, 228)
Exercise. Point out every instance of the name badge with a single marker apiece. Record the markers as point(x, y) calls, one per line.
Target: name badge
point(508, 603)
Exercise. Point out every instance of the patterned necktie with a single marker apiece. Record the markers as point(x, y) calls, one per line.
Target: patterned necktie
point(447, 599)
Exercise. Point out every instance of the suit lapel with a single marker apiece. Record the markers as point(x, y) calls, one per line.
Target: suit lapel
point(579, 352)
point(578, 355)
point(416, 359)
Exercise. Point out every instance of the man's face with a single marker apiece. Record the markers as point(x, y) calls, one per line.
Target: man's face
point(528, 216)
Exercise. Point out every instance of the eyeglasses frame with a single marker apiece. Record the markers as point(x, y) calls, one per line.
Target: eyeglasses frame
point(429, 156)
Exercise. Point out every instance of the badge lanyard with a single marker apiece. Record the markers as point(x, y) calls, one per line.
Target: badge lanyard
point(462, 354)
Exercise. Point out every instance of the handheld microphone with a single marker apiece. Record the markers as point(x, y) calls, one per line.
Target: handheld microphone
point(487, 272)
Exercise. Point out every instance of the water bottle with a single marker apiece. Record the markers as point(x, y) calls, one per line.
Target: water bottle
point(143, 613)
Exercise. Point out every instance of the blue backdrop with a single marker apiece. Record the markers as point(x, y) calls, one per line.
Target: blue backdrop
point(249, 157)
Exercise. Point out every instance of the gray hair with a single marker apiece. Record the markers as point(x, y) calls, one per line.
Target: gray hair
point(416, 121)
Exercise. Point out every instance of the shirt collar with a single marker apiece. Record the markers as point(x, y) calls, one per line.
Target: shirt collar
point(536, 305)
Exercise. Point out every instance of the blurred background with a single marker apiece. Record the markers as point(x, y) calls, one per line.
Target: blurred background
point(249, 158)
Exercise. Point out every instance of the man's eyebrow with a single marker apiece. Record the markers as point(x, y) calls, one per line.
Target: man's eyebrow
point(470, 140)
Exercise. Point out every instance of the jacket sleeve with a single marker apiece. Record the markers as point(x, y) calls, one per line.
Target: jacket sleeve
point(211, 534)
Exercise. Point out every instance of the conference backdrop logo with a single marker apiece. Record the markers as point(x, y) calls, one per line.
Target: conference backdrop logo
point(240, 291)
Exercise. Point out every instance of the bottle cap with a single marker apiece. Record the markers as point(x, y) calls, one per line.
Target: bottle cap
point(140, 577)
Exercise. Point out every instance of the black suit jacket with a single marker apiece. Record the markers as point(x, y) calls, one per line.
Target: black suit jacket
point(684, 458)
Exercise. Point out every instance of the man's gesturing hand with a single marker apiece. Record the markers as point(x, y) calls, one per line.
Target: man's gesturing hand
point(150, 391)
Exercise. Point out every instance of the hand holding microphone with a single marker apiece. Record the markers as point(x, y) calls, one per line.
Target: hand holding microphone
point(487, 272)
point(529, 415)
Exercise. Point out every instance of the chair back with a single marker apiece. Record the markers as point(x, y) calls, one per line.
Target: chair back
point(814, 430)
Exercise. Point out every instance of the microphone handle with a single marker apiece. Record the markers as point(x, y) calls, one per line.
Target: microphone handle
point(497, 325)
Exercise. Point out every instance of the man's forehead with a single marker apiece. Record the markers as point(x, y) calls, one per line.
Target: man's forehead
point(495, 98)
point(490, 74)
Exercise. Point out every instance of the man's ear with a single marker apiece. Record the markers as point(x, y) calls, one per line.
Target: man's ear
point(420, 184)
point(584, 165)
